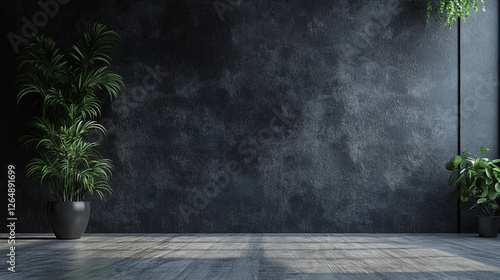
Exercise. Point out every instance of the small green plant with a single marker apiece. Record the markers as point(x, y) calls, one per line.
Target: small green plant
point(475, 178)
point(69, 94)
point(449, 11)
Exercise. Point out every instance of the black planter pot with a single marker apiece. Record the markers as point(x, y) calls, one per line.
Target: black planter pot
point(68, 219)
point(488, 226)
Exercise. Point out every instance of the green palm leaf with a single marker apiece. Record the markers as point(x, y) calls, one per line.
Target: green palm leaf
point(69, 95)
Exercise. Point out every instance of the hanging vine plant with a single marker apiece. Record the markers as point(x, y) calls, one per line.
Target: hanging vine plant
point(448, 11)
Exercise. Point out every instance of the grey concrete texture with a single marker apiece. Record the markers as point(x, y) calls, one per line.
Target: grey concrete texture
point(479, 91)
point(264, 116)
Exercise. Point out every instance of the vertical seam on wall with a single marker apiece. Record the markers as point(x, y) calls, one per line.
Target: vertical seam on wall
point(459, 109)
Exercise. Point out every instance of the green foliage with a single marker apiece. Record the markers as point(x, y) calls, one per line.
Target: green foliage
point(448, 11)
point(68, 93)
point(475, 178)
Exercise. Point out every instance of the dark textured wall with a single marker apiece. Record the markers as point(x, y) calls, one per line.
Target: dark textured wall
point(266, 116)
point(479, 91)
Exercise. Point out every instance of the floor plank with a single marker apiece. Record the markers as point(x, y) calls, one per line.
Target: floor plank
point(254, 256)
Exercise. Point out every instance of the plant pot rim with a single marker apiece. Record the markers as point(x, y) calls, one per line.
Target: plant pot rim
point(58, 201)
point(494, 216)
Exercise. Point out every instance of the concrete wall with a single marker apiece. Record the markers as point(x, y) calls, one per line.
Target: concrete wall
point(271, 116)
point(479, 91)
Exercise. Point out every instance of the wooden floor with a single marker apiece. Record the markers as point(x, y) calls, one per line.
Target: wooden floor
point(254, 256)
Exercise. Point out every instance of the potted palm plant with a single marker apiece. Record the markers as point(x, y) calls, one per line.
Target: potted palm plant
point(477, 179)
point(69, 98)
